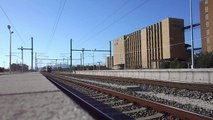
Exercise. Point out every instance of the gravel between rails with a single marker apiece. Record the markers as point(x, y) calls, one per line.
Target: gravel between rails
point(122, 105)
point(194, 101)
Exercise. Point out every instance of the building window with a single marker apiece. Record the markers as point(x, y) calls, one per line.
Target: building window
point(207, 16)
point(206, 2)
point(208, 40)
point(208, 48)
point(207, 24)
point(207, 32)
point(206, 9)
point(208, 44)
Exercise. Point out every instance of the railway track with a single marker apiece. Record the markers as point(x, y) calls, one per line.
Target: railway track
point(124, 105)
point(190, 86)
point(196, 98)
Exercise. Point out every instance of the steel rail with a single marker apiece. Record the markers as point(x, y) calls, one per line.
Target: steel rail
point(180, 113)
point(95, 112)
point(189, 86)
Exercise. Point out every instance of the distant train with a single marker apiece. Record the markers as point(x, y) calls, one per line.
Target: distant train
point(48, 69)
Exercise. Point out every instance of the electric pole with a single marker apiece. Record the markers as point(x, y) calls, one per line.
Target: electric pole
point(11, 32)
point(22, 59)
point(80, 60)
point(83, 56)
point(31, 53)
point(192, 36)
point(93, 60)
point(22, 48)
point(36, 62)
point(99, 65)
point(70, 55)
point(94, 50)
point(110, 58)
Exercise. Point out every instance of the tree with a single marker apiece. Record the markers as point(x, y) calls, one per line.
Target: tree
point(1, 69)
point(18, 67)
point(173, 63)
point(204, 60)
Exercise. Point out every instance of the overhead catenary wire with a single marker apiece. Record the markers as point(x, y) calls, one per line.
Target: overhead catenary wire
point(105, 19)
point(115, 21)
point(60, 10)
point(13, 26)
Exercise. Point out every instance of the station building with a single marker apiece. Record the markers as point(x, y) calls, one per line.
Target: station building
point(146, 48)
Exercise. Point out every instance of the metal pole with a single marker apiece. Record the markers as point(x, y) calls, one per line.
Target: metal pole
point(67, 62)
point(56, 64)
point(80, 61)
point(31, 53)
point(192, 37)
point(10, 51)
point(8, 26)
point(93, 61)
point(99, 67)
point(36, 67)
point(110, 58)
point(22, 59)
point(83, 57)
point(70, 55)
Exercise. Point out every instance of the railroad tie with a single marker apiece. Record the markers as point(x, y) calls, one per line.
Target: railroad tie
point(112, 102)
point(135, 110)
point(157, 115)
point(120, 106)
point(101, 96)
point(106, 99)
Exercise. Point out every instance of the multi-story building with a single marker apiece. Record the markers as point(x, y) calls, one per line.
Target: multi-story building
point(206, 14)
point(133, 50)
point(146, 48)
point(163, 41)
point(119, 53)
point(108, 61)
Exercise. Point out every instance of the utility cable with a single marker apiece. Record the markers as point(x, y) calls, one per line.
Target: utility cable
point(105, 19)
point(61, 8)
point(117, 20)
point(16, 31)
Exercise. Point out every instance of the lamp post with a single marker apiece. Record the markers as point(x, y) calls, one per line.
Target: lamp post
point(11, 32)
point(192, 36)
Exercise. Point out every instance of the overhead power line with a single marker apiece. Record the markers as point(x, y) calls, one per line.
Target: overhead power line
point(16, 31)
point(106, 18)
point(117, 20)
point(60, 10)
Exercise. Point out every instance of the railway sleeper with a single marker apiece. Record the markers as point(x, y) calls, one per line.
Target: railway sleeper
point(135, 110)
point(123, 105)
point(113, 102)
point(155, 116)
point(107, 99)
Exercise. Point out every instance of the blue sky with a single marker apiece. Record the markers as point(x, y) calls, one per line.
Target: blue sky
point(90, 23)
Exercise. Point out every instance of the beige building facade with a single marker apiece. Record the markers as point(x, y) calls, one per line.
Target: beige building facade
point(108, 61)
point(119, 53)
point(146, 48)
point(163, 41)
point(133, 49)
point(206, 14)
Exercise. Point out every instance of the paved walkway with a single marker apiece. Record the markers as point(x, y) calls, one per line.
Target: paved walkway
point(30, 96)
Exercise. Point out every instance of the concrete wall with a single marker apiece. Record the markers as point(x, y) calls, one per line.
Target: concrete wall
point(173, 75)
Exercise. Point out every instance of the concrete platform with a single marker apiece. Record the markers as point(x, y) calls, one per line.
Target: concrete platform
point(30, 96)
point(200, 76)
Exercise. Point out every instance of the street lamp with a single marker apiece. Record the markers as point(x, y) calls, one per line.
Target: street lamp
point(11, 32)
point(192, 36)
